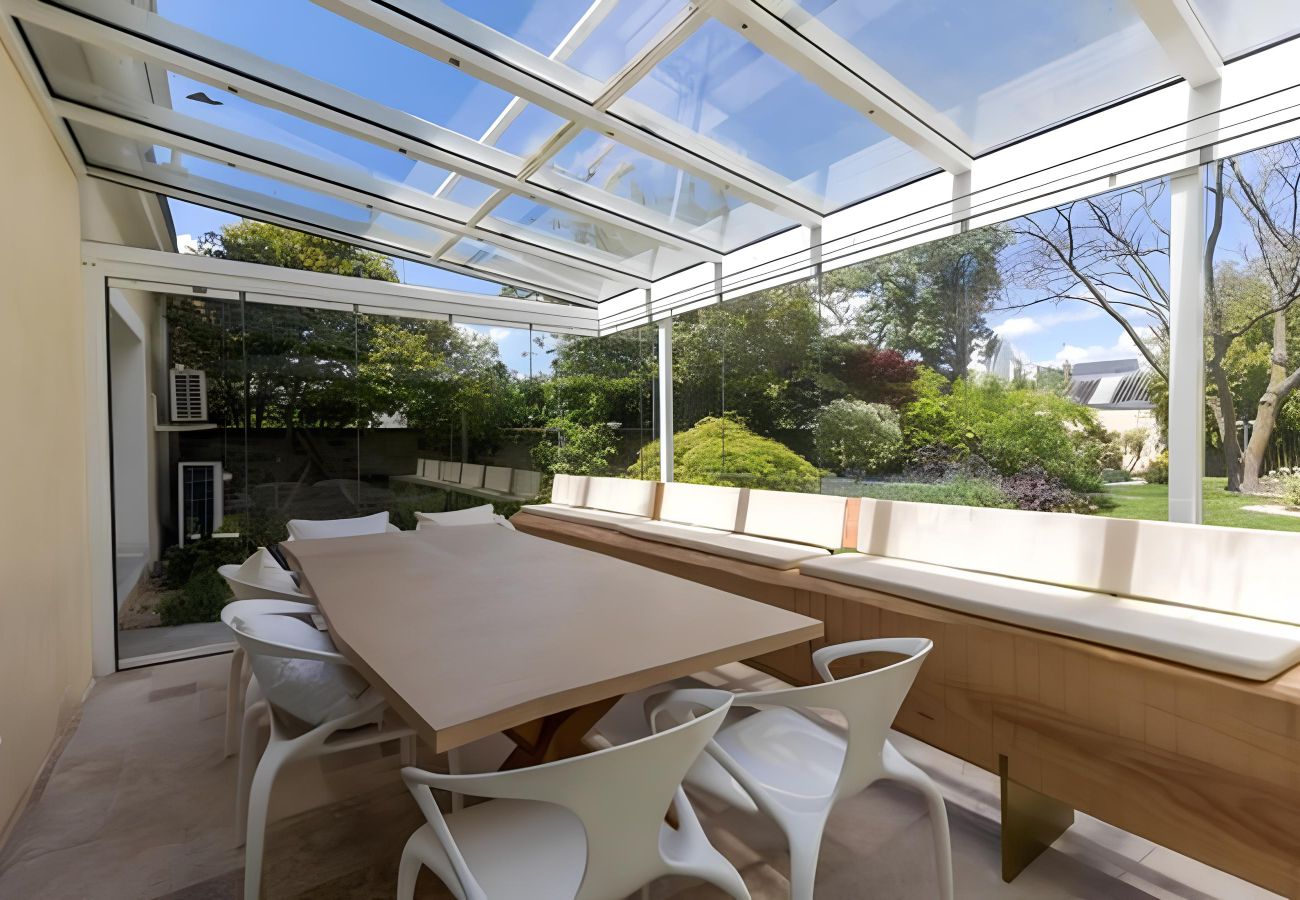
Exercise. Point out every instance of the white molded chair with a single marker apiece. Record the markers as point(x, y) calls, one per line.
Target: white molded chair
point(240, 673)
point(794, 766)
point(317, 705)
point(260, 577)
point(587, 828)
point(307, 529)
point(474, 515)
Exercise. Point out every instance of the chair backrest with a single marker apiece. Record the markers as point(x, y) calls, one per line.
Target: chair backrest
point(622, 495)
point(474, 515)
point(619, 794)
point(711, 506)
point(497, 478)
point(260, 576)
point(449, 472)
point(815, 519)
point(869, 702)
point(525, 483)
point(471, 475)
point(300, 672)
point(308, 529)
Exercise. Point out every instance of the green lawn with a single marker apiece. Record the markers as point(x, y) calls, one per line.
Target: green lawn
point(1151, 501)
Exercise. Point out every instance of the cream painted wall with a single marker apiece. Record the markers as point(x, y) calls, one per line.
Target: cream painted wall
point(45, 633)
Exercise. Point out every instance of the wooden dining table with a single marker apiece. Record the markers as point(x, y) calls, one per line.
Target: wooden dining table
point(477, 630)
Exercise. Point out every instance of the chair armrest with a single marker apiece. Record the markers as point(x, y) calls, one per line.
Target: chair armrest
point(419, 789)
point(907, 647)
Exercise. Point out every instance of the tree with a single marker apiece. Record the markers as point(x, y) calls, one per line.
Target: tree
point(724, 451)
point(1132, 443)
point(929, 301)
point(858, 437)
point(870, 374)
point(271, 245)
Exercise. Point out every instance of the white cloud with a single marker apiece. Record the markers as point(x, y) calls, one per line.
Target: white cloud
point(1123, 348)
point(1022, 326)
point(498, 334)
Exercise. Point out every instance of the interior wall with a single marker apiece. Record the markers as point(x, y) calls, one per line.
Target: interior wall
point(45, 615)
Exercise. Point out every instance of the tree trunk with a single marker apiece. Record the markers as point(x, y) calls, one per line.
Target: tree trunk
point(1280, 386)
point(1227, 416)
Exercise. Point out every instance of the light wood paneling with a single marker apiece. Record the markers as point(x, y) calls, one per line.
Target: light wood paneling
point(1205, 764)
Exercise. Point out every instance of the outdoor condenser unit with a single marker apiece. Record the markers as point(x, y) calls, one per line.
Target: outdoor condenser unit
point(189, 395)
point(199, 491)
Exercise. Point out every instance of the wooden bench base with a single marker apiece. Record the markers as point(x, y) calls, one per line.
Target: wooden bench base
point(1204, 764)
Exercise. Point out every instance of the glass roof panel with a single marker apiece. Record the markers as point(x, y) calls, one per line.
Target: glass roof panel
point(538, 25)
point(712, 215)
point(627, 250)
point(625, 29)
point(349, 56)
point(477, 255)
point(719, 85)
point(1239, 26)
point(1003, 70)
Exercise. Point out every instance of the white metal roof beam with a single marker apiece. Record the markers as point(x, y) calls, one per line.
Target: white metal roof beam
point(169, 128)
point(1183, 38)
point(785, 30)
point(543, 83)
point(136, 33)
point(266, 209)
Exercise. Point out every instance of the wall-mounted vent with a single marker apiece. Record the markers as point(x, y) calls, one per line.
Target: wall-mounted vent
point(189, 395)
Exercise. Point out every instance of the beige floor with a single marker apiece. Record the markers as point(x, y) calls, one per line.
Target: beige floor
point(140, 805)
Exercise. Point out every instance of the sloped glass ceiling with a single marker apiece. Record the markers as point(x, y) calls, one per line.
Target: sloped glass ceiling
point(562, 205)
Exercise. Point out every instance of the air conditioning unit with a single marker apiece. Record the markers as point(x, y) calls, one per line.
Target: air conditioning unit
point(189, 395)
point(199, 489)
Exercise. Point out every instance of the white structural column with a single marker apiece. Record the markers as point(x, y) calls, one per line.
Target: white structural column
point(1186, 345)
point(666, 399)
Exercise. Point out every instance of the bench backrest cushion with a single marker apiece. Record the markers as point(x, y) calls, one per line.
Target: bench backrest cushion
point(471, 475)
point(525, 483)
point(450, 472)
point(814, 519)
point(569, 490)
point(1232, 570)
point(497, 478)
point(711, 506)
point(622, 495)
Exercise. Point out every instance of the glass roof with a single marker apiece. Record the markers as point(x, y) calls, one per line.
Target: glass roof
point(1002, 70)
point(581, 147)
point(720, 86)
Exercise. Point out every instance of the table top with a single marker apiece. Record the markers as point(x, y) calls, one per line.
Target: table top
point(472, 630)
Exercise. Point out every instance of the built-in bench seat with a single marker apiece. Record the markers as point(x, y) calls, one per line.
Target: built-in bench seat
point(499, 483)
point(761, 551)
point(600, 501)
point(1216, 641)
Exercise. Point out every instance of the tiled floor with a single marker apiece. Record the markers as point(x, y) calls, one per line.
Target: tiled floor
point(140, 805)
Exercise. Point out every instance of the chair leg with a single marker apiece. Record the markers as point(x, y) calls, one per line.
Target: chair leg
point(408, 751)
point(259, 801)
point(805, 847)
point(234, 701)
point(454, 768)
point(249, 736)
point(900, 769)
point(408, 873)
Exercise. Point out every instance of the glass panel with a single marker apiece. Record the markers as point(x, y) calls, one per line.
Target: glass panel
point(1008, 69)
point(540, 26)
point(1239, 26)
point(697, 206)
point(530, 270)
point(627, 28)
point(349, 56)
point(723, 87)
point(1252, 325)
point(637, 254)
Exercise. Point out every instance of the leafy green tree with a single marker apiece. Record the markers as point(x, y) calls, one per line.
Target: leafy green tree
point(1010, 428)
point(858, 437)
point(271, 245)
point(580, 449)
point(724, 451)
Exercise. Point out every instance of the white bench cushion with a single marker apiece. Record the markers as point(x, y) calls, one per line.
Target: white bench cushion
point(622, 495)
point(1235, 570)
point(1218, 642)
point(569, 490)
point(757, 550)
point(525, 483)
point(707, 505)
point(450, 472)
point(307, 529)
point(600, 517)
point(471, 475)
point(497, 478)
point(804, 518)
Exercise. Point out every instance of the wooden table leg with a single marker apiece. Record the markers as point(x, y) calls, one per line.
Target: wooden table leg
point(1030, 822)
point(557, 736)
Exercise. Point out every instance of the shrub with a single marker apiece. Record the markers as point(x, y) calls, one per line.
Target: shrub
point(199, 600)
point(1012, 428)
point(724, 451)
point(1291, 491)
point(1114, 476)
point(1157, 471)
point(853, 436)
point(181, 564)
point(581, 449)
point(960, 491)
point(1034, 489)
